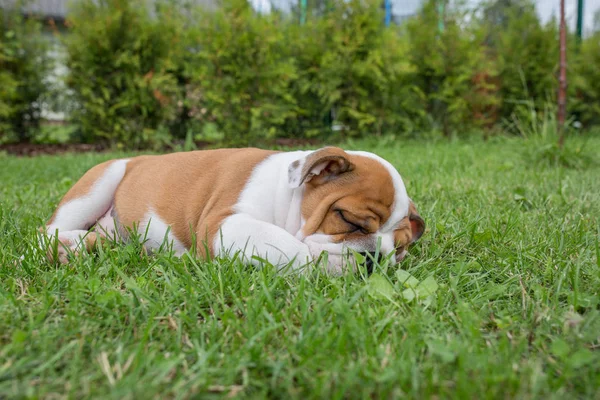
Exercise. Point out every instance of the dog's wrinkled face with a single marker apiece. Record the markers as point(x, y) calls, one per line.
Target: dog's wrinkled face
point(353, 200)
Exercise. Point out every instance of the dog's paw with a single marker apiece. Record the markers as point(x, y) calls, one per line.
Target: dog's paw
point(67, 245)
point(65, 249)
point(338, 264)
point(334, 257)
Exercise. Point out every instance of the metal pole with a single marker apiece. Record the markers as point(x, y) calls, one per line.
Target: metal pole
point(302, 12)
point(388, 12)
point(441, 6)
point(579, 20)
point(562, 77)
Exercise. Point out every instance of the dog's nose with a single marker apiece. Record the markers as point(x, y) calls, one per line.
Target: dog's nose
point(370, 260)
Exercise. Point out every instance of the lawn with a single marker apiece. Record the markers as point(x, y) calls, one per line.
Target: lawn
point(512, 244)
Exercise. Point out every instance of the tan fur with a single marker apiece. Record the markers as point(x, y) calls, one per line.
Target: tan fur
point(359, 188)
point(333, 158)
point(193, 191)
point(403, 235)
point(365, 195)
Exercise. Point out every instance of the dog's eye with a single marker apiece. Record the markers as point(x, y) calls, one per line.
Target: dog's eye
point(356, 227)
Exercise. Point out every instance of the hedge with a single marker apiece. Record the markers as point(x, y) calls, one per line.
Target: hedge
point(145, 73)
point(24, 64)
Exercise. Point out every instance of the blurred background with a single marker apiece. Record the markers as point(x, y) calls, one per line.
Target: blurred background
point(139, 74)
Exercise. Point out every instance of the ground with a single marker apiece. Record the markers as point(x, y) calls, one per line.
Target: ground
point(507, 305)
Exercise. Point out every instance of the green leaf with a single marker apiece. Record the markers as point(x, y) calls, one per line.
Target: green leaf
point(409, 294)
point(421, 291)
point(380, 287)
point(407, 279)
point(428, 287)
point(360, 259)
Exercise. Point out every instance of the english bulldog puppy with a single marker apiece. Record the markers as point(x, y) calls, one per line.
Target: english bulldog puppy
point(284, 207)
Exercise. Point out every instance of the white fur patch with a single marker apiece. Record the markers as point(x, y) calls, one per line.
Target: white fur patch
point(256, 238)
point(156, 233)
point(268, 197)
point(268, 215)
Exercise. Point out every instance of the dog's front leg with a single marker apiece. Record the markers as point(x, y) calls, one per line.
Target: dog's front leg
point(258, 240)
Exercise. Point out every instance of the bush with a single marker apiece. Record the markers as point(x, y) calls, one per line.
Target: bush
point(453, 73)
point(586, 81)
point(526, 54)
point(121, 63)
point(242, 72)
point(144, 73)
point(351, 64)
point(24, 63)
point(306, 47)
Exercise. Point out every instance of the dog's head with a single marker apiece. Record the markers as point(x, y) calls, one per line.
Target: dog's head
point(354, 200)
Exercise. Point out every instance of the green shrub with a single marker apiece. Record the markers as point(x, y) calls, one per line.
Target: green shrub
point(453, 73)
point(526, 53)
point(586, 81)
point(241, 73)
point(306, 46)
point(144, 73)
point(120, 70)
point(23, 65)
point(351, 64)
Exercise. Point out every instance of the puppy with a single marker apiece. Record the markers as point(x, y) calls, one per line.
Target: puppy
point(284, 207)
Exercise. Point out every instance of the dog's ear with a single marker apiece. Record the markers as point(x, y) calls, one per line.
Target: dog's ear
point(417, 225)
point(318, 167)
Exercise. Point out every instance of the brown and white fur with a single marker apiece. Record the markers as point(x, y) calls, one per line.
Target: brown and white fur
point(285, 207)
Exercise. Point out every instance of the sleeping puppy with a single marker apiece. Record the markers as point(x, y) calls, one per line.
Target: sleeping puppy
point(284, 207)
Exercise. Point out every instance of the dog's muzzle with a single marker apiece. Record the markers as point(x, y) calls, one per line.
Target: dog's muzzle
point(370, 260)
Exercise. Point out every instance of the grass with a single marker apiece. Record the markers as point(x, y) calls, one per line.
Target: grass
point(512, 245)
